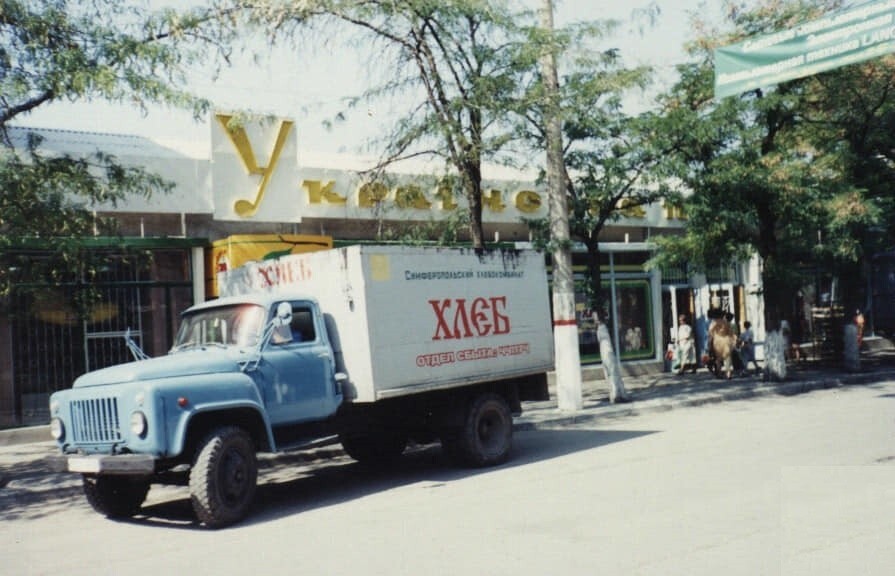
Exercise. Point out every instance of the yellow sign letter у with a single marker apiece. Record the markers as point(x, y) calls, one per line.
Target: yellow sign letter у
point(240, 140)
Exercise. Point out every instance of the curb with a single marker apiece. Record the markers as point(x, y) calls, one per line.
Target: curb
point(536, 418)
point(551, 417)
point(28, 435)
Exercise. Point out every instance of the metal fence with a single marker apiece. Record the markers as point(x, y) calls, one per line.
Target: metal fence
point(52, 343)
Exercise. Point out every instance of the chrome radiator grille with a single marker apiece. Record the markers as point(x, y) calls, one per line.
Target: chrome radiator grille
point(95, 421)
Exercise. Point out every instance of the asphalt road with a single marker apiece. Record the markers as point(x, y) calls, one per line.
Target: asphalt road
point(772, 485)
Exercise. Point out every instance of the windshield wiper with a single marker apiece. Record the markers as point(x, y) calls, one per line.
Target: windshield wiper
point(183, 346)
point(134, 347)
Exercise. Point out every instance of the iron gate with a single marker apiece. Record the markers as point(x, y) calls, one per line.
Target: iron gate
point(53, 344)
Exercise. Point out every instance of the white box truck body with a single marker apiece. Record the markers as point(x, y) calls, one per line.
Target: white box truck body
point(412, 319)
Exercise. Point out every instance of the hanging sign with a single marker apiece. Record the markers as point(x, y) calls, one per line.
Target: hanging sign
point(830, 42)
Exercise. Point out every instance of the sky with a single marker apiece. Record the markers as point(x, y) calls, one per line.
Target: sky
point(310, 88)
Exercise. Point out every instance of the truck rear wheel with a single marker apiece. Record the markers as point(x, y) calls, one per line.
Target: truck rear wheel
point(487, 434)
point(116, 496)
point(224, 477)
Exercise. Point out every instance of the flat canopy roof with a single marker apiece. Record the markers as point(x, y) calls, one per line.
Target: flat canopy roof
point(96, 242)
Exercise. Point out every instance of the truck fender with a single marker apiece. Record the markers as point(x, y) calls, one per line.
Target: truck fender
point(213, 399)
point(248, 416)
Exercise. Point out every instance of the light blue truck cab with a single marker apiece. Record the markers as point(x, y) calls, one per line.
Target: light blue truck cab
point(241, 369)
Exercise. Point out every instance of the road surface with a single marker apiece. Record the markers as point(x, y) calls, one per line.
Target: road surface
point(801, 485)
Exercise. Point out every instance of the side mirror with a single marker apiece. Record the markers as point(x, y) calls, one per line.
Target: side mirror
point(284, 313)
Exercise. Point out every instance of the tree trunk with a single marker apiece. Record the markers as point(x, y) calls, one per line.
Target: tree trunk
point(565, 325)
point(476, 230)
point(472, 179)
point(773, 296)
point(612, 370)
point(611, 366)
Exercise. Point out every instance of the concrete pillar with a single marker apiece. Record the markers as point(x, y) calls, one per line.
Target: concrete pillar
point(197, 261)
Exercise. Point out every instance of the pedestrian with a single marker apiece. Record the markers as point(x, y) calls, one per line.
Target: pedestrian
point(747, 347)
point(686, 346)
point(859, 323)
point(735, 355)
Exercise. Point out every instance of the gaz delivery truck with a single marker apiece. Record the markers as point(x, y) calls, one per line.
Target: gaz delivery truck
point(370, 346)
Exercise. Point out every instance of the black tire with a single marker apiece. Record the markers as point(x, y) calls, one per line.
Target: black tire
point(116, 496)
point(374, 448)
point(224, 477)
point(487, 434)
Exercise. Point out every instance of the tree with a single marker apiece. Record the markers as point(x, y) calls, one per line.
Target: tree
point(603, 165)
point(565, 327)
point(55, 51)
point(760, 181)
point(851, 111)
point(457, 63)
point(611, 175)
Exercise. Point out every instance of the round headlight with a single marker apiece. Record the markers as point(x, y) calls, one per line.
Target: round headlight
point(138, 423)
point(57, 429)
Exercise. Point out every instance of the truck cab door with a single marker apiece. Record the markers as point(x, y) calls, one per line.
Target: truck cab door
point(296, 371)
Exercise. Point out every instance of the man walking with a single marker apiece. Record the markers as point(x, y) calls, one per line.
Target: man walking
point(747, 347)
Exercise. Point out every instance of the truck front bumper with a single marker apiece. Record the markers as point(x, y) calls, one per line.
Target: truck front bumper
point(125, 464)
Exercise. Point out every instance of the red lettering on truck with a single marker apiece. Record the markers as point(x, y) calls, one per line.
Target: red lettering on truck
point(484, 316)
point(434, 360)
point(283, 273)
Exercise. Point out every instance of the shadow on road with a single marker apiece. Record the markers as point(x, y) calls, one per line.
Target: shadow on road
point(28, 489)
point(289, 485)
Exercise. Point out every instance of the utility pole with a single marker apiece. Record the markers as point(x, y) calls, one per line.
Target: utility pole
point(565, 325)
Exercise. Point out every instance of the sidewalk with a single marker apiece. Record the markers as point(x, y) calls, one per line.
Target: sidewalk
point(666, 391)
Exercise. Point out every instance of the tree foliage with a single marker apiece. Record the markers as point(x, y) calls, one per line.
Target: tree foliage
point(60, 51)
point(104, 49)
point(769, 169)
point(852, 113)
point(609, 157)
point(458, 63)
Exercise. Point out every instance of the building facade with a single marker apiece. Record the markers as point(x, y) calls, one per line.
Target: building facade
point(253, 183)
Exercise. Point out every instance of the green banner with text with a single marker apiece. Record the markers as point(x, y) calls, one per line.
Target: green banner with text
point(835, 40)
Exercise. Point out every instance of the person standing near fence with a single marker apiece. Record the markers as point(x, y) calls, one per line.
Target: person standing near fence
point(686, 346)
point(859, 324)
point(746, 343)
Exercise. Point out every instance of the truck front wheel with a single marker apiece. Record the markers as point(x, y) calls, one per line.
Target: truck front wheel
point(487, 434)
point(224, 477)
point(116, 496)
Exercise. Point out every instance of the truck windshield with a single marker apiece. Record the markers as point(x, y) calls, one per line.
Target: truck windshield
point(238, 325)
